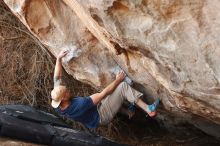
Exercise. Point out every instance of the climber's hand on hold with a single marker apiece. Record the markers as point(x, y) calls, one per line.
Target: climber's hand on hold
point(97, 97)
point(120, 76)
point(58, 71)
point(62, 54)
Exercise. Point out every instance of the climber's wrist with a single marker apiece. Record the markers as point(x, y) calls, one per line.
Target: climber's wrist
point(117, 80)
point(59, 59)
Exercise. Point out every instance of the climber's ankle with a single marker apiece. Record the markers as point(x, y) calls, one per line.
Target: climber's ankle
point(151, 109)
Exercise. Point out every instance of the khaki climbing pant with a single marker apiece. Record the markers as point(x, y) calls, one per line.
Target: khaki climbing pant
point(112, 103)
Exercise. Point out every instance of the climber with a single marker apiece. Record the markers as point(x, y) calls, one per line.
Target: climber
point(99, 108)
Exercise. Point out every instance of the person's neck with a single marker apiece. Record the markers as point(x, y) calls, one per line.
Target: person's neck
point(64, 104)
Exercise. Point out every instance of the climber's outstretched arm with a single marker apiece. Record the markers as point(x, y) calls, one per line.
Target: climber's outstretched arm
point(97, 97)
point(58, 72)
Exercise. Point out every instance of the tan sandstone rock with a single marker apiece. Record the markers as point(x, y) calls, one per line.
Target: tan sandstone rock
point(170, 47)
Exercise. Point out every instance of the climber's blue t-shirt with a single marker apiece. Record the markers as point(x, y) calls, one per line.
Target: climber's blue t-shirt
point(82, 109)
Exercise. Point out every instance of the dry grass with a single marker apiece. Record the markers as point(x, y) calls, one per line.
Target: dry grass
point(25, 66)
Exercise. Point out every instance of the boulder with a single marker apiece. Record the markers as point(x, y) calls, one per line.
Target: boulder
point(26, 123)
point(169, 48)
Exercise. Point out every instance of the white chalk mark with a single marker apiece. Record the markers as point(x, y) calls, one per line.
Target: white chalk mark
point(73, 52)
point(116, 70)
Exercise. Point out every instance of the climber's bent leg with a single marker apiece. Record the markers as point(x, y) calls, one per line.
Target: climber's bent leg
point(109, 107)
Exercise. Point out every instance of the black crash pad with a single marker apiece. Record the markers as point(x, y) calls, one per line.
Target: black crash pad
point(29, 113)
point(28, 124)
